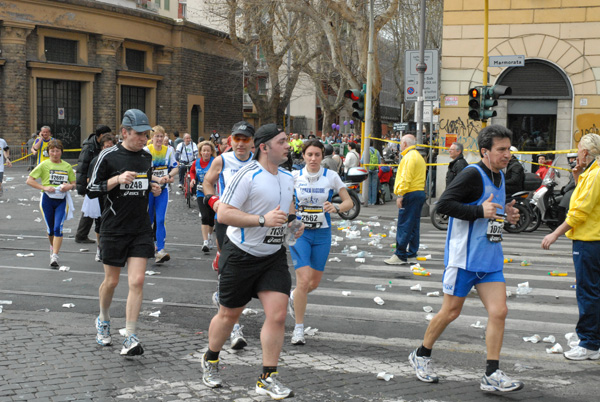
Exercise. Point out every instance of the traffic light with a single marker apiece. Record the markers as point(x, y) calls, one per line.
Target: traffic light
point(358, 102)
point(474, 103)
point(489, 94)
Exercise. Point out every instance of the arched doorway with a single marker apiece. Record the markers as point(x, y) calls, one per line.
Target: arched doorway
point(538, 111)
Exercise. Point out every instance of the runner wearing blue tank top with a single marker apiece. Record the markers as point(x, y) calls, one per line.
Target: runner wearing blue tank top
point(198, 170)
point(313, 189)
point(475, 201)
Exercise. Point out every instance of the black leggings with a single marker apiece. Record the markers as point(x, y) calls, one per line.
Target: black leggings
point(208, 215)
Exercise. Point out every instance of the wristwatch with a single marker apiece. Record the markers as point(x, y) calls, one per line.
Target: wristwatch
point(261, 220)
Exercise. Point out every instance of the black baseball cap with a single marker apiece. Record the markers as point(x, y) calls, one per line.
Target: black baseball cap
point(244, 128)
point(137, 120)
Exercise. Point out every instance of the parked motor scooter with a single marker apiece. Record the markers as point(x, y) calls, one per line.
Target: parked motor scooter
point(354, 176)
point(546, 201)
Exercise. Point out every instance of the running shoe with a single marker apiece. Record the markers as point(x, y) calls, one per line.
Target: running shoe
point(395, 260)
point(298, 337)
point(210, 373)
point(237, 339)
point(54, 261)
point(215, 263)
point(162, 256)
point(211, 243)
point(581, 353)
point(423, 367)
point(215, 300)
point(103, 336)
point(205, 248)
point(272, 387)
point(291, 309)
point(132, 346)
point(499, 381)
point(98, 257)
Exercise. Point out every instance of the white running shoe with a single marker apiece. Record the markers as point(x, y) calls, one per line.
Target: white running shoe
point(272, 387)
point(395, 260)
point(54, 261)
point(205, 247)
point(237, 339)
point(423, 367)
point(581, 353)
point(161, 257)
point(298, 337)
point(499, 381)
point(132, 346)
point(98, 257)
point(103, 332)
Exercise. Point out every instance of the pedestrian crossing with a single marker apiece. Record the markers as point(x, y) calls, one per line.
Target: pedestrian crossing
point(550, 308)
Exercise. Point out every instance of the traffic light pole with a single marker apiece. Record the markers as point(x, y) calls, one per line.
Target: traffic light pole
point(366, 144)
point(486, 21)
point(421, 67)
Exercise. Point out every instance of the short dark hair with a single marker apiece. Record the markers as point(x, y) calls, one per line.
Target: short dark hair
point(352, 145)
point(108, 137)
point(485, 139)
point(102, 129)
point(313, 143)
point(176, 133)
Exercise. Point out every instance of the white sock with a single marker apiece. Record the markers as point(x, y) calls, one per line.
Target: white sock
point(104, 315)
point(236, 327)
point(206, 242)
point(292, 295)
point(130, 327)
point(299, 326)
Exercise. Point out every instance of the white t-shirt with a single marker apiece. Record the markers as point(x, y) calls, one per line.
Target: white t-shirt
point(3, 145)
point(255, 190)
point(187, 153)
point(352, 160)
point(311, 191)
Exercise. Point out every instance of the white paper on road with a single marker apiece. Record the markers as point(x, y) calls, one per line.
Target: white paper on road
point(346, 292)
point(25, 255)
point(64, 268)
point(68, 305)
point(427, 309)
point(416, 287)
point(478, 325)
point(555, 349)
point(249, 311)
point(5, 301)
point(150, 273)
point(549, 339)
point(159, 300)
point(384, 376)
point(379, 300)
point(533, 339)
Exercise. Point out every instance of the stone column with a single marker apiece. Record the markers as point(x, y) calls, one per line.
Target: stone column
point(15, 99)
point(105, 92)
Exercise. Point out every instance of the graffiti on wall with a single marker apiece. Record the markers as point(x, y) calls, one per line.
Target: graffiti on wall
point(586, 123)
point(466, 131)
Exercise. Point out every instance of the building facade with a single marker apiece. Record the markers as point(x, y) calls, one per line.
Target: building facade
point(73, 64)
point(555, 94)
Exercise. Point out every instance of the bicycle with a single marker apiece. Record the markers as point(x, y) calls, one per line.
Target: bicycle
point(187, 191)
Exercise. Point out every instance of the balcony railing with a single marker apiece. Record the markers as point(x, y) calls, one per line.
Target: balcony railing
point(148, 5)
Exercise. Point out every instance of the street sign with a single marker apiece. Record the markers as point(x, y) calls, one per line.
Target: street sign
point(411, 76)
point(400, 126)
point(507, 61)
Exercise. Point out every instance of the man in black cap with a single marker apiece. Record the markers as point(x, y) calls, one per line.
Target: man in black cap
point(89, 150)
point(222, 169)
point(124, 174)
point(255, 205)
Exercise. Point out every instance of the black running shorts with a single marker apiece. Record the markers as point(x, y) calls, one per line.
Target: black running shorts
point(243, 276)
point(117, 249)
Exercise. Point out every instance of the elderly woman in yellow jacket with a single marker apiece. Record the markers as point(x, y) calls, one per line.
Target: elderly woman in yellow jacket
point(582, 225)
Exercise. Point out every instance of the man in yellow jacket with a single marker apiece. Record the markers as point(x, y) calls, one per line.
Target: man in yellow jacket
point(582, 225)
point(410, 189)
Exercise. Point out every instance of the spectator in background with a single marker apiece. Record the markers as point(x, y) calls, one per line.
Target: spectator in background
point(374, 162)
point(4, 158)
point(29, 145)
point(178, 140)
point(458, 162)
point(514, 178)
point(352, 157)
point(543, 167)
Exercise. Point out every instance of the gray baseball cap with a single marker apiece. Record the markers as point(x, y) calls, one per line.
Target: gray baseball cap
point(137, 120)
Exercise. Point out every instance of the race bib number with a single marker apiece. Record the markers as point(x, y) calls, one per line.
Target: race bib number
point(160, 171)
point(137, 187)
point(275, 235)
point(313, 217)
point(58, 177)
point(494, 230)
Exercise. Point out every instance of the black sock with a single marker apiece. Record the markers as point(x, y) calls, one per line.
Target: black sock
point(267, 371)
point(423, 352)
point(212, 356)
point(491, 366)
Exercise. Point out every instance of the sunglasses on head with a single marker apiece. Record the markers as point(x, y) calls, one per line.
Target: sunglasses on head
point(241, 138)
